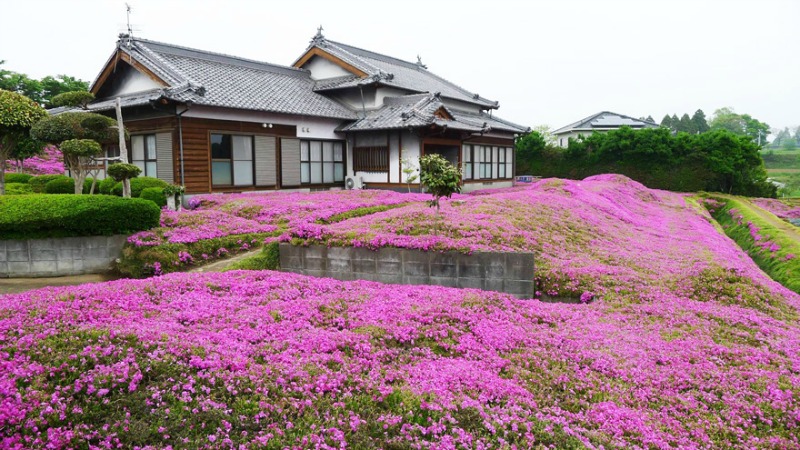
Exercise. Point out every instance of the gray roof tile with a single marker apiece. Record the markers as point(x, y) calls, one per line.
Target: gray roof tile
point(414, 111)
point(215, 79)
point(395, 72)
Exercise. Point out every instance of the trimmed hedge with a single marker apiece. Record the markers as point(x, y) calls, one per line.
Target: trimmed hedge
point(18, 189)
point(155, 195)
point(17, 177)
point(138, 185)
point(41, 216)
point(107, 185)
point(38, 182)
point(61, 185)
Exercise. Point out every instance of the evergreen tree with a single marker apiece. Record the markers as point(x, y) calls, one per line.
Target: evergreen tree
point(676, 123)
point(666, 122)
point(686, 125)
point(699, 122)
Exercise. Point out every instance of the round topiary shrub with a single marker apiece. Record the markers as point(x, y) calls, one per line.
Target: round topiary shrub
point(154, 194)
point(121, 171)
point(18, 188)
point(139, 184)
point(17, 178)
point(61, 185)
point(107, 185)
point(38, 182)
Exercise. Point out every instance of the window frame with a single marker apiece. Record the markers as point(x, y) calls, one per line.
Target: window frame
point(232, 160)
point(306, 164)
point(145, 153)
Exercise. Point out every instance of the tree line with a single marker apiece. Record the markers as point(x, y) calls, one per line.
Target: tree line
point(716, 160)
point(40, 91)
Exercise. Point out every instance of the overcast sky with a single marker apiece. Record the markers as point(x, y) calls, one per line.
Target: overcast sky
point(547, 62)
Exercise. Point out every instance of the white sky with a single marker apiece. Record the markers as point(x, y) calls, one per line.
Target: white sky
point(547, 62)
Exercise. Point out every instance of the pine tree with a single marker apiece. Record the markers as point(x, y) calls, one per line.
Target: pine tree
point(699, 122)
point(686, 125)
point(676, 123)
point(666, 122)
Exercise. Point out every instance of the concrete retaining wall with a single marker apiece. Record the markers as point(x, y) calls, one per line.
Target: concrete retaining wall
point(511, 273)
point(59, 256)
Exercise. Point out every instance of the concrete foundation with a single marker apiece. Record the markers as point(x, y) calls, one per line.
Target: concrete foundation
point(56, 257)
point(511, 273)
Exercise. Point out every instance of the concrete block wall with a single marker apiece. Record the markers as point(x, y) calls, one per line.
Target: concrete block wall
point(56, 257)
point(511, 273)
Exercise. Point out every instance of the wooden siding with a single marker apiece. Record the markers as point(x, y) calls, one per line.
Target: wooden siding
point(197, 145)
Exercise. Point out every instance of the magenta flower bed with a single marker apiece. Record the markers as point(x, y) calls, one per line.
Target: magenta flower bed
point(213, 216)
point(606, 234)
point(785, 209)
point(50, 162)
point(275, 360)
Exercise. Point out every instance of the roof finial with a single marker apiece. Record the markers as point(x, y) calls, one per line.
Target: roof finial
point(318, 38)
point(419, 63)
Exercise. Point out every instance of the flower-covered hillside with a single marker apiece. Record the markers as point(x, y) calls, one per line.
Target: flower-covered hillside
point(50, 162)
point(215, 225)
point(607, 235)
point(783, 208)
point(273, 360)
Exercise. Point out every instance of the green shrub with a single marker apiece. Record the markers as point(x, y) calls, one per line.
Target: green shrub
point(38, 182)
point(18, 189)
point(267, 259)
point(122, 171)
point(107, 185)
point(139, 184)
point(17, 177)
point(155, 195)
point(87, 185)
point(39, 216)
point(61, 185)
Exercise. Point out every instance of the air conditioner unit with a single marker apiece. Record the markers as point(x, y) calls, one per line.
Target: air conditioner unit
point(354, 183)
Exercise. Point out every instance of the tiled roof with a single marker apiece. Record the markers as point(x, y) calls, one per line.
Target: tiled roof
point(605, 120)
point(215, 79)
point(389, 71)
point(415, 111)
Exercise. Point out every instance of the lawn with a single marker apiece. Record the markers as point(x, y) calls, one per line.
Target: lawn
point(686, 343)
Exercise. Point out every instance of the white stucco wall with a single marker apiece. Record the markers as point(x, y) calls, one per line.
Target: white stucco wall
point(469, 187)
point(307, 127)
point(410, 146)
point(130, 81)
point(322, 69)
point(562, 140)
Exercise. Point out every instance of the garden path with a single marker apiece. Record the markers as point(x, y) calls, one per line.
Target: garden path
point(789, 230)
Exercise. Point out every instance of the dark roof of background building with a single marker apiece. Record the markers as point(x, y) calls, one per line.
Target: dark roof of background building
point(605, 120)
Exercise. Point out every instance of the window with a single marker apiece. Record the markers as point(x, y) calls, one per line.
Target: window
point(321, 162)
point(371, 159)
point(467, 162)
point(231, 160)
point(485, 161)
point(143, 153)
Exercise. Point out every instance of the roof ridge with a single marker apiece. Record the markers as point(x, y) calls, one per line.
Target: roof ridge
point(179, 74)
point(414, 66)
point(223, 55)
point(338, 45)
point(410, 64)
